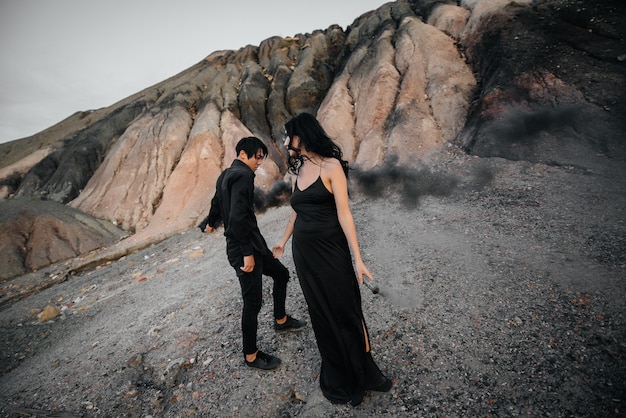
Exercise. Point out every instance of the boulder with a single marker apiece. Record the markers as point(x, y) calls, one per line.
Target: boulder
point(35, 233)
point(128, 187)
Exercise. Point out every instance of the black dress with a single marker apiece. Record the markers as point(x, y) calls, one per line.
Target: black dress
point(324, 265)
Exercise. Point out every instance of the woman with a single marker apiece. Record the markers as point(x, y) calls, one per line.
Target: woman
point(323, 233)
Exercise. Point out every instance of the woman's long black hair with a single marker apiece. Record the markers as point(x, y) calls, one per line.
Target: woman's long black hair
point(313, 138)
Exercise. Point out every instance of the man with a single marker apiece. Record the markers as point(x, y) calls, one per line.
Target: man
point(247, 251)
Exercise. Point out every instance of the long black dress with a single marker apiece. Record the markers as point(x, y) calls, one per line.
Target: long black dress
point(324, 265)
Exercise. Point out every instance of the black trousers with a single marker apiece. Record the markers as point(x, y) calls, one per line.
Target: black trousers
point(252, 292)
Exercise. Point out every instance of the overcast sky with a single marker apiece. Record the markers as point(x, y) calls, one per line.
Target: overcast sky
point(63, 56)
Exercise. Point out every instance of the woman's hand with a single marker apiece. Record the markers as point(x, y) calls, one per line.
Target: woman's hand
point(278, 250)
point(362, 270)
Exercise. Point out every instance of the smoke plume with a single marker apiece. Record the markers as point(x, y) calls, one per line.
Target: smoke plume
point(277, 195)
point(410, 183)
point(523, 126)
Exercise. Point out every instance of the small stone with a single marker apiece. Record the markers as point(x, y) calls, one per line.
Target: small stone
point(135, 361)
point(49, 313)
point(196, 253)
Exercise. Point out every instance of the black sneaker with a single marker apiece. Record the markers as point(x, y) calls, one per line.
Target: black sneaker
point(263, 361)
point(290, 324)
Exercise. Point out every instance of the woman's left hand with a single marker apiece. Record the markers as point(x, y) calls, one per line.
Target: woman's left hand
point(362, 270)
point(278, 250)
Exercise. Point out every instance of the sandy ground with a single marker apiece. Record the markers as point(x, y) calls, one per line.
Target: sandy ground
point(505, 300)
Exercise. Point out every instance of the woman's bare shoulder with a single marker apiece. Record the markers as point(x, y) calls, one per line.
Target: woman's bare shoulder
point(333, 163)
point(333, 168)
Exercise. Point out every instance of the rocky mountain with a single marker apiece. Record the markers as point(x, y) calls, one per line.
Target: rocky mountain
point(404, 83)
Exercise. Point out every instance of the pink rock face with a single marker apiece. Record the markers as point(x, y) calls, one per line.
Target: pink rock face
point(128, 187)
point(449, 19)
point(437, 86)
point(188, 192)
point(408, 97)
point(36, 233)
point(189, 189)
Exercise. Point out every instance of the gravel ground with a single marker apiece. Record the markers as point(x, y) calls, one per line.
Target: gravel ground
point(503, 300)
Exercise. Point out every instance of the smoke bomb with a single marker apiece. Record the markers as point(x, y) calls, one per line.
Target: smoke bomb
point(370, 285)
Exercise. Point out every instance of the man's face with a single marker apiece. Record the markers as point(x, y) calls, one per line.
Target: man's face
point(253, 162)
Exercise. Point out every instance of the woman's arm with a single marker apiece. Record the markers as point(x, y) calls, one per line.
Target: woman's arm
point(279, 248)
point(339, 187)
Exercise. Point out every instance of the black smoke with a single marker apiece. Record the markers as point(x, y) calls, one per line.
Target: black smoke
point(411, 184)
point(480, 177)
point(391, 178)
point(523, 126)
point(277, 195)
point(11, 182)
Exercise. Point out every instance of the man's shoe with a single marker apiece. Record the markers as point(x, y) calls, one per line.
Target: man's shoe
point(263, 361)
point(290, 325)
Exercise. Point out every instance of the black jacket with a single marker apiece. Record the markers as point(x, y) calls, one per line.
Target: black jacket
point(233, 204)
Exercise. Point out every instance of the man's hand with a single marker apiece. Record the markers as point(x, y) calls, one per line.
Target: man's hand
point(209, 229)
point(248, 263)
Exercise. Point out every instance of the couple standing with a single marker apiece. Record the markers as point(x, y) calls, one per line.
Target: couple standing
point(323, 233)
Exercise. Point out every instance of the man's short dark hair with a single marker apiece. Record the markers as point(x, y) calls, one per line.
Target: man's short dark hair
point(251, 145)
